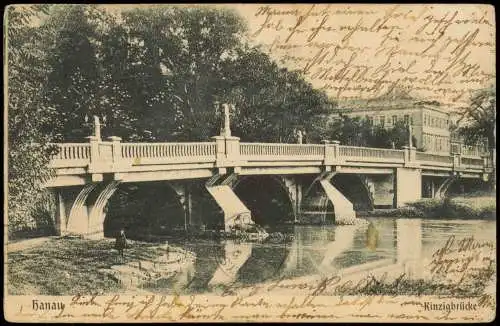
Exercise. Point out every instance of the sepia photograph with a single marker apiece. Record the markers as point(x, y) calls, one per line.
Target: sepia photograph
point(249, 163)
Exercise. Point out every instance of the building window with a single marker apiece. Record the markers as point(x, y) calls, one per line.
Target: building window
point(406, 118)
point(394, 119)
point(370, 120)
point(382, 121)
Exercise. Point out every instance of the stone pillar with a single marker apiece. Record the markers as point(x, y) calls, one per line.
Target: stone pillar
point(97, 128)
point(60, 214)
point(220, 144)
point(232, 150)
point(94, 157)
point(329, 153)
point(94, 148)
point(409, 246)
point(336, 150)
point(406, 154)
point(116, 149)
point(408, 185)
point(413, 154)
point(226, 129)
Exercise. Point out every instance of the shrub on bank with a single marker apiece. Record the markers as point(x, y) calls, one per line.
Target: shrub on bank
point(483, 207)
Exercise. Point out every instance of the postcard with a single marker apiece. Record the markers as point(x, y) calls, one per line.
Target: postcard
point(250, 163)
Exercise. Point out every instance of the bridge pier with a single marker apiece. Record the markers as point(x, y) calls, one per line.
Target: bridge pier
point(235, 212)
point(80, 211)
point(97, 213)
point(60, 214)
point(408, 185)
point(317, 201)
point(72, 210)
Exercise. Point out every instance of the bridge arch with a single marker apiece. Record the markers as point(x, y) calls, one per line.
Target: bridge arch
point(443, 188)
point(354, 188)
point(143, 209)
point(457, 185)
point(268, 197)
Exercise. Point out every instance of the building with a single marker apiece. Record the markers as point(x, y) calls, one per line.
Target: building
point(430, 122)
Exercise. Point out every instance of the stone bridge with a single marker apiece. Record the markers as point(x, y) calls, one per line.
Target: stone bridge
point(315, 178)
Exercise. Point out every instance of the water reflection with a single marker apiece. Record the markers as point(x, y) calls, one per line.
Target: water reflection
point(228, 266)
point(320, 250)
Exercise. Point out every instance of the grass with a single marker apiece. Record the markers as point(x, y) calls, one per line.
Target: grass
point(70, 266)
point(473, 284)
point(479, 205)
point(74, 266)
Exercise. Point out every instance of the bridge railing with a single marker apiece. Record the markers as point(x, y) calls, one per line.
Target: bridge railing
point(167, 150)
point(266, 151)
point(472, 163)
point(83, 154)
point(71, 154)
point(434, 159)
point(368, 153)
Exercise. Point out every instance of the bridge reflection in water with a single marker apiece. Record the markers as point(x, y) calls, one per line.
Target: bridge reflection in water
point(314, 251)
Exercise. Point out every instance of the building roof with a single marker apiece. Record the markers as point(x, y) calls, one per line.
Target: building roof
point(396, 99)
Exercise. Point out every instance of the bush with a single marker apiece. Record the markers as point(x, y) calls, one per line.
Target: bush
point(37, 221)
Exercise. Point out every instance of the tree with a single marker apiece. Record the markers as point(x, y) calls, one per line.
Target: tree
point(351, 131)
point(478, 120)
point(28, 142)
point(399, 133)
point(80, 82)
point(360, 132)
point(272, 102)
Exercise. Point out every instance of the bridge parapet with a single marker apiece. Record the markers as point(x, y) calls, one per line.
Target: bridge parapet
point(268, 151)
point(375, 154)
point(167, 150)
point(472, 163)
point(114, 156)
point(72, 154)
point(434, 159)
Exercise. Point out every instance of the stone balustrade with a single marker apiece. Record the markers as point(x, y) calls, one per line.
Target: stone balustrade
point(237, 154)
point(73, 151)
point(372, 153)
point(434, 159)
point(157, 150)
point(262, 151)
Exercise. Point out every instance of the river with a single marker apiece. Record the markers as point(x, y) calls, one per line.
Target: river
point(318, 251)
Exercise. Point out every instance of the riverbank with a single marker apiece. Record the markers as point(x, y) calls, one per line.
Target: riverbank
point(479, 205)
point(68, 266)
